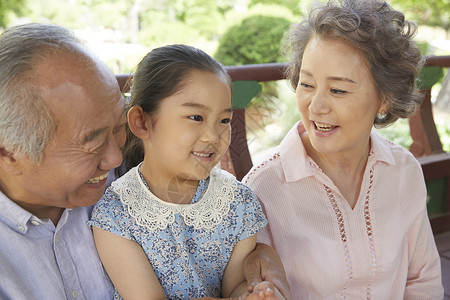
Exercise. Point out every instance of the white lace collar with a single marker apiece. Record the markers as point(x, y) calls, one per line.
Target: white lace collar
point(156, 214)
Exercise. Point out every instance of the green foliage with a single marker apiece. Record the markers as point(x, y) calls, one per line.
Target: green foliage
point(443, 128)
point(110, 14)
point(204, 17)
point(72, 15)
point(7, 7)
point(153, 34)
point(398, 133)
point(292, 5)
point(431, 12)
point(256, 40)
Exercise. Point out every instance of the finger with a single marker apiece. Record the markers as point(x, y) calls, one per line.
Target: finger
point(253, 276)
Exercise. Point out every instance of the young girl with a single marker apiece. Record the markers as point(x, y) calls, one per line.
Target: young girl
point(175, 226)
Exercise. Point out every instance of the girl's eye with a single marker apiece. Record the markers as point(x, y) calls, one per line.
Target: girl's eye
point(225, 121)
point(336, 91)
point(196, 118)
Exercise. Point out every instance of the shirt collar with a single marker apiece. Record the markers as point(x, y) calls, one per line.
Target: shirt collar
point(19, 219)
point(381, 148)
point(294, 160)
point(13, 215)
point(296, 164)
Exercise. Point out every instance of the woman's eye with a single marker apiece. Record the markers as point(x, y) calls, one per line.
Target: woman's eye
point(225, 121)
point(196, 118)
point(305, 85)
point(336, 91)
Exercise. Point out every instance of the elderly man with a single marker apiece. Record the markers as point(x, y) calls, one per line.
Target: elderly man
point(62, 119)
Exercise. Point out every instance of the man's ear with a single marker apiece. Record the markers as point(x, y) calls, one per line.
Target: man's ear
point(139, 122)
point(8, 163)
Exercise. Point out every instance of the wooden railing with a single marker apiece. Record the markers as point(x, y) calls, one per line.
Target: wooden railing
point(426, 144)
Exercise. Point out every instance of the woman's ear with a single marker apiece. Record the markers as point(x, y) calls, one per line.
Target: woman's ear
point(384, 106)
point(8, 163)
point(139, 122)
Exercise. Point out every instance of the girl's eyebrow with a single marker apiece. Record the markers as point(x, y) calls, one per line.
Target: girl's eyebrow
point(203, 107)
point(196, 105)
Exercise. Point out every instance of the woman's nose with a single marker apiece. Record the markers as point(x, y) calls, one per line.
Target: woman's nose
point(319, 103)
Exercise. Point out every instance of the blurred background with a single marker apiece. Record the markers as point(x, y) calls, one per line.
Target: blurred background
point(235, 32)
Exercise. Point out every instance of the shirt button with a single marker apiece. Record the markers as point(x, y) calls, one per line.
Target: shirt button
point(35, 222)
point(74, 293)
point(21, 228)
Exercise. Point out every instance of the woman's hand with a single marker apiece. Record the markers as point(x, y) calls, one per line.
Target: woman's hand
point(265, 291)
point(264, 264)
point(262, 291)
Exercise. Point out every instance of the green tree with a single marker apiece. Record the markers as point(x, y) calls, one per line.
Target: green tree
point(431, 12)
point(256, 40)
point(292, 5)
point(7, 7)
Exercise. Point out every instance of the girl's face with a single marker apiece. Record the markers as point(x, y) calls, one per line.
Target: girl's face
point(336, 97)
point(191, 131)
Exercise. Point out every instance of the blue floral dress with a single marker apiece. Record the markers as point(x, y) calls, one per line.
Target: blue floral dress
point(188, 245)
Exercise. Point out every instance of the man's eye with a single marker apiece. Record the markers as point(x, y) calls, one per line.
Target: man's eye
point(196, 118)
point(119, 128)
point(225, 121)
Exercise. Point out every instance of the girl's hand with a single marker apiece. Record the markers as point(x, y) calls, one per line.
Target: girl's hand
point(262, 291)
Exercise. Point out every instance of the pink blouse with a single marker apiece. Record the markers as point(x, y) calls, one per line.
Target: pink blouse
point(383, 248)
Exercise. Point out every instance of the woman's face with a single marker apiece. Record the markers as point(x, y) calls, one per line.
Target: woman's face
point(336, 97)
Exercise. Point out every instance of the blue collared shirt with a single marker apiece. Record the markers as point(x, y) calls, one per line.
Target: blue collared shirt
point(41, 261)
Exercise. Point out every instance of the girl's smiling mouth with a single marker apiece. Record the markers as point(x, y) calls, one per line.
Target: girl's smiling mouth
point(203, 155)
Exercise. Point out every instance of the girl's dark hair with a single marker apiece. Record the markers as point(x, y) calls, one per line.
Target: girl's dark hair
point(382, 35)
point(161, 73)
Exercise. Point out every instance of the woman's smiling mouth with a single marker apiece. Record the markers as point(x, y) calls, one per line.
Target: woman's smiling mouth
point(323, 127)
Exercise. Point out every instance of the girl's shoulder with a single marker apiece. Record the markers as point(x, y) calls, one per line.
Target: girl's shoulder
point(230, 180)
point(113, 198)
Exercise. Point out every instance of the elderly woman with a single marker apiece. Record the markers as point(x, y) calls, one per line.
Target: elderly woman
point(346, 208)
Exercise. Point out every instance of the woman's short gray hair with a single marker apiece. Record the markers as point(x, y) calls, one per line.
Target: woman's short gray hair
point(26, 123)
point(382, 35)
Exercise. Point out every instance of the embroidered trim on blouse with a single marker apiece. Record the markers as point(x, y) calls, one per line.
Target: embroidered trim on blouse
point(343, 235)
point(369, 231)
point(264, 163)
point(156, 214)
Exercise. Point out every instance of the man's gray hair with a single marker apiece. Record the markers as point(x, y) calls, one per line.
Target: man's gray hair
point(26, 123)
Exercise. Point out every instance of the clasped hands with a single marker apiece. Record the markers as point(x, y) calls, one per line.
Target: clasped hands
point(261, 291)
